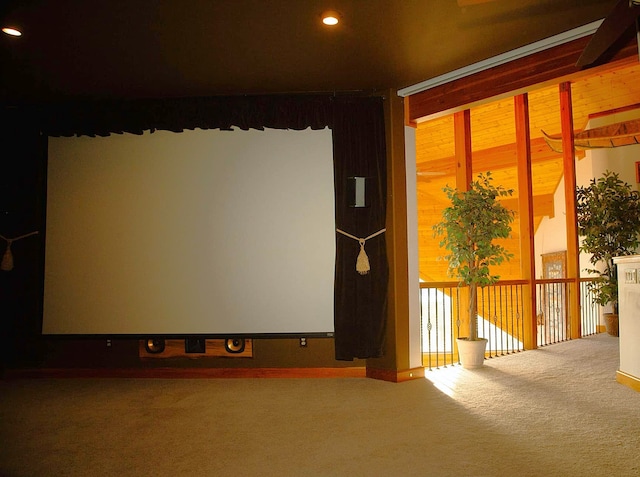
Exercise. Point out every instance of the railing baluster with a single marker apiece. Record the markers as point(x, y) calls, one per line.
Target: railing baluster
point(435, 303)
point(452, 333)
point(498, 322)
point(513, 321)
point(443, 303)
point(567, 316)
point(519, 334)
point(458, 321)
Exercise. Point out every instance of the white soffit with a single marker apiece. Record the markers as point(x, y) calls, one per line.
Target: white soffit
point(503, 58)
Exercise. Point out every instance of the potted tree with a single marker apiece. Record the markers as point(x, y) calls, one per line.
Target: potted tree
point(469, 229)
point(608, 213)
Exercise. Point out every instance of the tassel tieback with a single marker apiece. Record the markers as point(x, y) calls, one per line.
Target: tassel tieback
point(362, 262)
point(7, 258)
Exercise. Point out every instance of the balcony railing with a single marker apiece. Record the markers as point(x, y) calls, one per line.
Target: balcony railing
point(552, 311)
point(501, 317)
point(589, 311)
point(499, 320)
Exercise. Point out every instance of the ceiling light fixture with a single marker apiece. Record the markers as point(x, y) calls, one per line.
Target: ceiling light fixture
point(12, 31)
point(330, 18)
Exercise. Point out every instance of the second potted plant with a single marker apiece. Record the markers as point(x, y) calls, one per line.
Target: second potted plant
point(469, 228)
point(608, 212)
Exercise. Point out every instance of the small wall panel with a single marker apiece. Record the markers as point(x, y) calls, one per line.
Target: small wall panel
point(214, 348)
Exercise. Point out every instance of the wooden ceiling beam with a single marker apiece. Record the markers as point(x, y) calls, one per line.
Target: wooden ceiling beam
point(543, 206)
point(494, 158)
point(539, 69)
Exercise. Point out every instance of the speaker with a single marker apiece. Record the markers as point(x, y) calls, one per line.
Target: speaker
point(154, 345)
point(234, 345)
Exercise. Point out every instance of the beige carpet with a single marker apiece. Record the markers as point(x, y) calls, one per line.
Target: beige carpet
point(556, 411)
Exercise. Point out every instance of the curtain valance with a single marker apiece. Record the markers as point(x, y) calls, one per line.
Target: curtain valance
point(101, 118)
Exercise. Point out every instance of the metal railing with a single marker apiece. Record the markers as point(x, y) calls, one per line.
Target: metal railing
point(499, 320)
point(552, 314)
point(552, 311)
point(589, 311)
point(440, 323)
point(501, 317)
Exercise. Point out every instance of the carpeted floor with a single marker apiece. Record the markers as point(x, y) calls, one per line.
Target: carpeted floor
point(556, 411)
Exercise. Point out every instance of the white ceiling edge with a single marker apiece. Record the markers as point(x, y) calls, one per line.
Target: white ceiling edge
point(503, 58)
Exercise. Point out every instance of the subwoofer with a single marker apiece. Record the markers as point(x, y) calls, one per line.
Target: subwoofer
point(154, 345)
point(234, 345)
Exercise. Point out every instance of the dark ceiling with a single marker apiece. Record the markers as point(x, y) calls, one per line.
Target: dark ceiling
point(178, 48)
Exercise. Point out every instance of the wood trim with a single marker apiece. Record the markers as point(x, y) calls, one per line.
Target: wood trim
point(628, 380)
point(601, 114)
point(538, 69)
point(395, 376)
point(405, 108)
point(397, 348)
point(453, 284)
point(188, 373)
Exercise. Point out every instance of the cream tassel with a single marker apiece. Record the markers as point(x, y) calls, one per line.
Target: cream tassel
point(7, 258)
point(362, 262)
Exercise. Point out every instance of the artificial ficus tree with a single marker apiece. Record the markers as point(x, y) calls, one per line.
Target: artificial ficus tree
point(608, 213)
point(469, 229)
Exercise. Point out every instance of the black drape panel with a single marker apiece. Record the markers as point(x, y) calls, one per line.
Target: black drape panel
point(22, 211)
point(358, 149)
point(360, 300)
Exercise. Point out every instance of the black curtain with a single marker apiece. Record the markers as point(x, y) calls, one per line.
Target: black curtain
point(360, 300)
point(359, 149)
point(22, 211)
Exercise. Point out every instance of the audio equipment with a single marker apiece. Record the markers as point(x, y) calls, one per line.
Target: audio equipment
point(234, 345)
point(154, 345)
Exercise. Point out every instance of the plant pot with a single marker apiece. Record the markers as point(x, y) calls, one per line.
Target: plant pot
point(611, 323)
point(471, 352)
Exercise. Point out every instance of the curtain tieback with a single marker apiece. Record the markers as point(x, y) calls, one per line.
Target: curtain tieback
point(362, 263)
point(7, 258)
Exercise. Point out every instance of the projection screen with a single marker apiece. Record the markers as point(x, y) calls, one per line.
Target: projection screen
point(201, 232)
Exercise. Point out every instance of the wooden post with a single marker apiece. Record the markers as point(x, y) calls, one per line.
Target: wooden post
point(462, 141)
point(525, 207)
point(462, 138)
point(569, 172)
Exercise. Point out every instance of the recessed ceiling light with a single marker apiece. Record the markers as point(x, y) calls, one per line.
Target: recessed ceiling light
point(330, 18)
point(12, 31)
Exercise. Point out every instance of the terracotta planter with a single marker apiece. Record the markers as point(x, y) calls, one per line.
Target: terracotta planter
point(471, 352)
point(611, 323)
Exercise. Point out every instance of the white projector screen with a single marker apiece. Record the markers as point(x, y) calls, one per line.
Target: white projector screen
point(201, 232)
